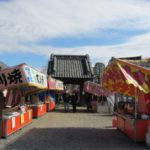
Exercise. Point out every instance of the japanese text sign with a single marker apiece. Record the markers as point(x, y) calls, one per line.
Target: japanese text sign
point(21, 75)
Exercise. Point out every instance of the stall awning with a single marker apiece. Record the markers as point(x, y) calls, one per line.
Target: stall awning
point(24, 78)
point(124, 77)
point(54, 84)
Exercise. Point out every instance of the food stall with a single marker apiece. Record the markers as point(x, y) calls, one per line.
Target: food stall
point(37, 97)
point(54, 86)
point(37, 105)
point(50, 94)
point(95, 90)
point(19, 81)
point(131, 85)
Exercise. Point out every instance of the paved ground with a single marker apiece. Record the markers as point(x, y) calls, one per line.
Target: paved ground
point(70, 131)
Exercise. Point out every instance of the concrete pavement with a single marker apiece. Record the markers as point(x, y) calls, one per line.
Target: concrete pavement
point(70, 131)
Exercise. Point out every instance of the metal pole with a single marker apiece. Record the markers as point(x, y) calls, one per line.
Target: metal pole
point(1, 111)
point(135, 114)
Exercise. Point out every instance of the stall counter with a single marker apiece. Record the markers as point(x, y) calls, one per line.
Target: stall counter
point(14, 121)
point(26, 118)
point(136, 129)
point(11, 123)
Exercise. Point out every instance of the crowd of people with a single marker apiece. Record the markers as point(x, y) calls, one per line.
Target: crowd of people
point(70, 98)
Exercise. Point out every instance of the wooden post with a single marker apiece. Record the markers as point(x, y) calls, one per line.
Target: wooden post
point(1, 111)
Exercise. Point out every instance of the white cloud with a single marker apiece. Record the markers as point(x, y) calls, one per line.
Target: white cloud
point(135, 46)
point(30, 21)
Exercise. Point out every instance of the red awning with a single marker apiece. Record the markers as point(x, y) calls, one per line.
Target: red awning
point(124, 77)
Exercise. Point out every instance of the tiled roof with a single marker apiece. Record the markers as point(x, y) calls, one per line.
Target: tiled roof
point(70, 66)
point(132, 58)
point(145, 63)
point(142, 63)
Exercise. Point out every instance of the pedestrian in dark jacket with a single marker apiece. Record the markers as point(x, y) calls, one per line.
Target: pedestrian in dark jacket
point(74, 99)
point(66, 99)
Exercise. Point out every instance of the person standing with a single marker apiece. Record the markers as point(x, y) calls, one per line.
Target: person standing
point(74, 98)
point(66, 99)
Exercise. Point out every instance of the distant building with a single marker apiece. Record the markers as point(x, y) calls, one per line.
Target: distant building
point(98, 70)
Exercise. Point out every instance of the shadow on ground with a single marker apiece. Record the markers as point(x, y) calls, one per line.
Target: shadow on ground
point(79, 110)
point(74, 139)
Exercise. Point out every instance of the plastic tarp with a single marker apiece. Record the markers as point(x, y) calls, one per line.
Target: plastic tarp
point(125, 78)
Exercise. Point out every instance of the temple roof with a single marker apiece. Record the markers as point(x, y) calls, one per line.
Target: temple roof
point(70, 66)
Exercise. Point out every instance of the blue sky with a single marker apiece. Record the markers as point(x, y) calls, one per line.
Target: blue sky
point(31, 30)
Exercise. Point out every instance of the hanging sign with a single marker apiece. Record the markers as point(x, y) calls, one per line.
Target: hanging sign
point(22, 75)
point(93, 88)
point(51, 83)
point(11, 77)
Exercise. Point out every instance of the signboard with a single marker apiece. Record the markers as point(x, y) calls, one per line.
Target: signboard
point(22, 75)
point(51, 83)
point(93, 88)
point(12, 77)
point(59, 85)
point(34, 76)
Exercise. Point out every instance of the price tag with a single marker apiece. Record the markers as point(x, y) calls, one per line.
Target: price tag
point(41, 108)
point(29, 115)
point(22, 118)
point(13, 122)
